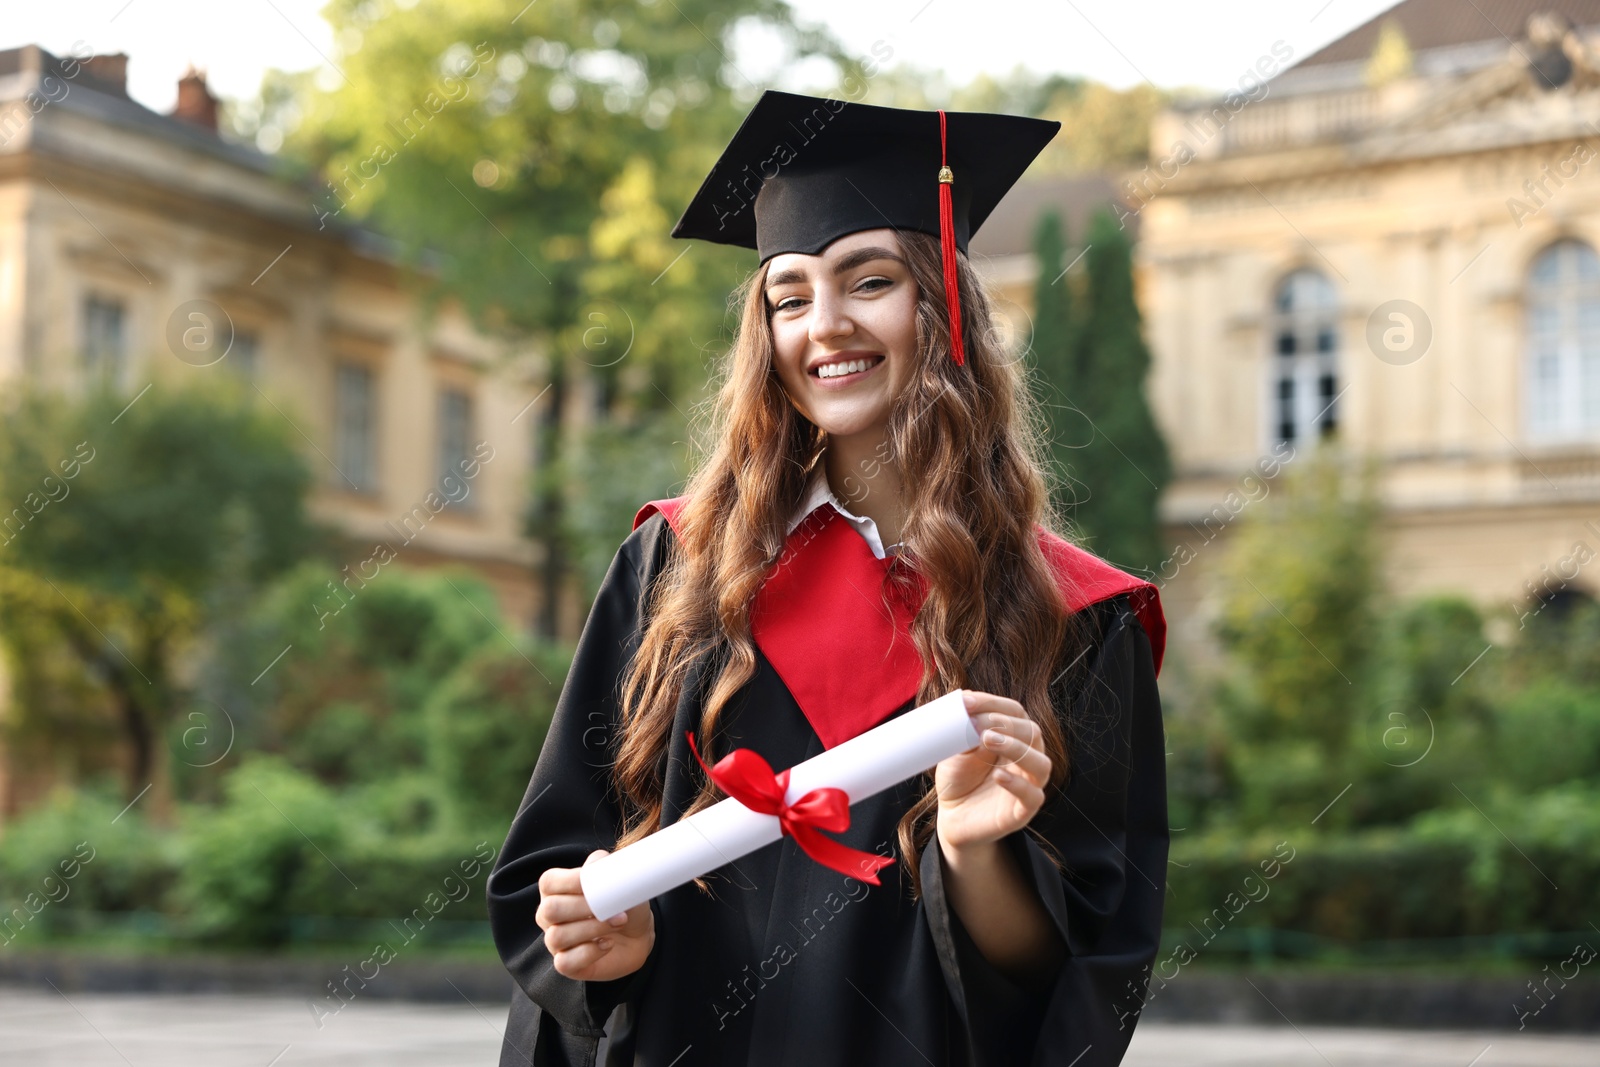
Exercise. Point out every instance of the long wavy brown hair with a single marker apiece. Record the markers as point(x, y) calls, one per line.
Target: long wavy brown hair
point(967, 441)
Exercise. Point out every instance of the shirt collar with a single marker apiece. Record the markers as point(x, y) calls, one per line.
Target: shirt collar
point(818, 493)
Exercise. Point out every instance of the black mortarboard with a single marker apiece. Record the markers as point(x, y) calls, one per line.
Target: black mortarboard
point(804, 171)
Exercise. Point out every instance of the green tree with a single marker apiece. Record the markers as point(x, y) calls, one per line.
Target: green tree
point(486, 724)
point(1299, 615)
point(1119, 460)
point(529, 160)
point(346, 705)
point(1424, 723)
point(1109, 128)
point(1053, 349)
point(615, 467)
point(124, 518)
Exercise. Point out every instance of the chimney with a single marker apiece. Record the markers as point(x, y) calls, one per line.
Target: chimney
point(195, 102)
point(110, 72)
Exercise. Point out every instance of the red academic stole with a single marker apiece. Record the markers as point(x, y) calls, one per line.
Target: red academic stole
point(844, 649)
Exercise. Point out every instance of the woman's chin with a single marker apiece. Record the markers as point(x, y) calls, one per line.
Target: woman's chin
point(841, 425)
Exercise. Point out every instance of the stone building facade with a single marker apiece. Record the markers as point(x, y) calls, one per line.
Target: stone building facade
point(1397, 240)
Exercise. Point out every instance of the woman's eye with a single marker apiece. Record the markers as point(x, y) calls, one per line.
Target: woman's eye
point(788, 303)
point(869, 285)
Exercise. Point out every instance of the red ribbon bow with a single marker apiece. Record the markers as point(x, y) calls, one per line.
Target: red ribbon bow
point(749, 779)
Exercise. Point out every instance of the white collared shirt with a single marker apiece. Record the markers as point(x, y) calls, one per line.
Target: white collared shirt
point(819, 493)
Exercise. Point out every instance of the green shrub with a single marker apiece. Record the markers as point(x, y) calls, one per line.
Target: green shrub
point(1548, 733)
point(346, 703)
point(396, 877)
point(245, 859)
point(70, 857)
point(486, 724)
point(1452, 873)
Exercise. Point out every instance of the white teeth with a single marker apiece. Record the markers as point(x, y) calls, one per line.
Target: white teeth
point(834, 370)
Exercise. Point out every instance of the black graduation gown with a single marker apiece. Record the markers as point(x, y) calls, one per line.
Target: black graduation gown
point(789, 962)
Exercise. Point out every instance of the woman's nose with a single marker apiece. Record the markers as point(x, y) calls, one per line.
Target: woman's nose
point(829, 320)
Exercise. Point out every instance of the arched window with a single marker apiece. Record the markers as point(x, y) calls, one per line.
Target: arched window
point(1564, 342)
point(1305, 346)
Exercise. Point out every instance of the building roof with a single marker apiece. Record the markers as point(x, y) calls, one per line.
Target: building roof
point(1430, 24)
point(1009, 230)
point(23, 71)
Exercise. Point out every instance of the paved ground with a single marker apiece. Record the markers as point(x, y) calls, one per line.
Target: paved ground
point(116, 1030)
point(1240, 1046)
point(97, 1030)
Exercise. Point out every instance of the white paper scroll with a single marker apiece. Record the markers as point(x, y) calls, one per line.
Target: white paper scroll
point(866, 764)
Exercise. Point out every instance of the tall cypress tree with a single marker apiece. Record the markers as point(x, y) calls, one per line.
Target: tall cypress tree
point(1090, 364)
point(1053, 350)
point(1125, 464)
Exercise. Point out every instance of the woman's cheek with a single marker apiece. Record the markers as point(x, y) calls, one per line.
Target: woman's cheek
point(898, 326)
point(788, 342)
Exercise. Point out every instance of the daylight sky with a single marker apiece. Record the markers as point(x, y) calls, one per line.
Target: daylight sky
point(1170, 43)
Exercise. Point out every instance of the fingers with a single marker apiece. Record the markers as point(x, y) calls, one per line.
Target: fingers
point(565, 936)
point(559, 880)
point(561, 908)
point(977, 703)
point(1020, 726)
point(575, 962)
point(1016, 743)
point(1029, 793)
point(561, 897)
point(1017, 757)
point(1003, 716)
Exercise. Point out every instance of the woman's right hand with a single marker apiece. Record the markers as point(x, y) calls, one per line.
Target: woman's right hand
point(584, 947)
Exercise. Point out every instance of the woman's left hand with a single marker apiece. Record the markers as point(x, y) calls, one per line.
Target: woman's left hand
point(995, 789)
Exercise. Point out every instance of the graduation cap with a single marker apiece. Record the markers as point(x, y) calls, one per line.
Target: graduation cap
point(804, 171)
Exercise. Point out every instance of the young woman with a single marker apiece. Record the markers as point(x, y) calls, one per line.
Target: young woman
point(868, 533)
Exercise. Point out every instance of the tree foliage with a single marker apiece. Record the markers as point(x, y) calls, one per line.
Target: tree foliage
point(1301, 610)
point(1103, 128)
point(1089, 355)
point(1053, 350)
point(128, 519)
point(529, 160)
point(559, 141)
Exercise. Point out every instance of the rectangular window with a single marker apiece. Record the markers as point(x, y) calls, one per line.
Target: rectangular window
point(355, 428)
point(1304, 371)
point(1562, 356)
point(1328, 400)
point(1546, 398)
point(1589, 400)
point(1286, 408)
point(455, 446)
point(103, 340)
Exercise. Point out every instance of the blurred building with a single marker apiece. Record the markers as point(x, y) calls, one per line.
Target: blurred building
point(145, 250)
point(1394, 238)
point(121, 230)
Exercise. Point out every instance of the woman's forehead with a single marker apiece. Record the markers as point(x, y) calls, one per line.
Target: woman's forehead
point(789, 262)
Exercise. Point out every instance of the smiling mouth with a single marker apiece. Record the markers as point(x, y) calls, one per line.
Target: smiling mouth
point(848, 368)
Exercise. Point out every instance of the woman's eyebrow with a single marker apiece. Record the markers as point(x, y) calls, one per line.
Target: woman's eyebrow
point(848, 262)
point(852, 260)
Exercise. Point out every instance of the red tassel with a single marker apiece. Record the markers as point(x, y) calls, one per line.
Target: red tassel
point(947, 243)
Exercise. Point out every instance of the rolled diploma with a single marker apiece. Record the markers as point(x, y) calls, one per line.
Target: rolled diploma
point(727, 831)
